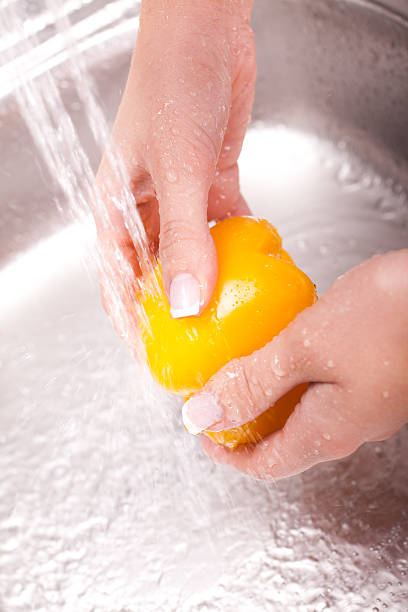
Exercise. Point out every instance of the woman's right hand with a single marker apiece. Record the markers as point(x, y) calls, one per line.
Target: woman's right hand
point(179, 130)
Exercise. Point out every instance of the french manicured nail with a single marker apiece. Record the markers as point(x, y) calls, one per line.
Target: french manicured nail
point(201, 412)
point(184, 296)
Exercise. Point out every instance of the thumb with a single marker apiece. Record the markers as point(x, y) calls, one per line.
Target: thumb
point(187, 252)
point(244, 388)
point(320, 429)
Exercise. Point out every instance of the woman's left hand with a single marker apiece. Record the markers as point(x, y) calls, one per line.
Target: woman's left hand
point(351, 346)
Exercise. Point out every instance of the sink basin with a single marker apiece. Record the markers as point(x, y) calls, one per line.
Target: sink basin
point(106, 503)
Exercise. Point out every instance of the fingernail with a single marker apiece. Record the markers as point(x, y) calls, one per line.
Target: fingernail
point(184, 296)
point(201, 412)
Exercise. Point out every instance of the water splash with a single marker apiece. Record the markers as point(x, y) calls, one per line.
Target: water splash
point(54, 134)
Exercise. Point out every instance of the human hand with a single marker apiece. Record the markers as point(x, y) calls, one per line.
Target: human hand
point(179, 131)
point(351, 346)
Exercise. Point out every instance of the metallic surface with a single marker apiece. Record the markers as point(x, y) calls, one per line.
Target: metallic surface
point(106, 503)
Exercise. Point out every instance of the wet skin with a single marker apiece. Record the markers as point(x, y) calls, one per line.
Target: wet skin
point(179, 129)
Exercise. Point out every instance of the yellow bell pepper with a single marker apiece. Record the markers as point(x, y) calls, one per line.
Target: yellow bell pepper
point(259, 290)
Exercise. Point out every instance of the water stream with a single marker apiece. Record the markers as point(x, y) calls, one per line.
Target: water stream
point(53, 132)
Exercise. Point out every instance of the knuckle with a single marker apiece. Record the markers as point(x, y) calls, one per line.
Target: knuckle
point(278, 358)
point(142, 187)
point(180, 241)
point(175, 231)
point(240, 386)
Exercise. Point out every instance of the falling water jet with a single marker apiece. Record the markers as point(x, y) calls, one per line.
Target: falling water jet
point(55, 136)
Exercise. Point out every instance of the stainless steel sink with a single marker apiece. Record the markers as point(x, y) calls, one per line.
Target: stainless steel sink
point(106, 503)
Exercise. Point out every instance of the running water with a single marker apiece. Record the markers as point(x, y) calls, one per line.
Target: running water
point(54, 134)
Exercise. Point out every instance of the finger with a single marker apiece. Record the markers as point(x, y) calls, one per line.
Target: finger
point(120, 266)
point(246, 387)
point(318, 430)
point(197, 112)
point(124, 190)
point(242, 97)
point(182, 165)
point(187, 252)
point(225, 198)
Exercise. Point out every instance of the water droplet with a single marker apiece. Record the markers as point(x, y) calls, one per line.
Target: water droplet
point(330, 364)
point(386, 394)
point(327, 436)
point(302, 244)
point(306, 342)
point(347, 175)
point(276, 367)
point(171, 176)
